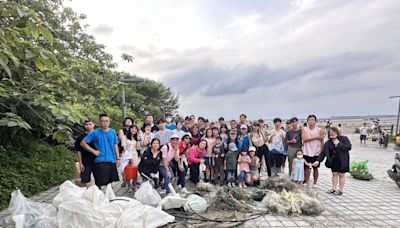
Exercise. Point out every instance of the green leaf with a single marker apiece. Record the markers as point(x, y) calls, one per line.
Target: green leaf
point(61, 135)
point(29, 54)
point(21, 13)
point(3, 63)
point(39, 64)
point(46, 34)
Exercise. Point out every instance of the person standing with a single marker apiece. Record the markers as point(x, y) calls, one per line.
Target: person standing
point(197, 155)
point(187, 125)
point(149, 120)
point(129, 156)
point(107, 153)
point(258, 139)
point(85, 158)
point(163, 134)
point(276, 139)
point(312, 137)
point(146, 136)
point(243, 139)
point(363, 134)
point(336, 151)
point(293, 140)
point(169, 124)
point(126, 124)
point(178, 130)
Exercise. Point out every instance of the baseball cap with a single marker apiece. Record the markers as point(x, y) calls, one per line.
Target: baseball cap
point(243, 126)
point(232, 147)
point(187, 134)
point(174, 136)
point(252, 148)
point(233, 131)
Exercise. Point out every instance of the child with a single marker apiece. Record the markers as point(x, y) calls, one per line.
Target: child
point(219, 160)
point(243, 161)
point(298, 167)
point(255, 164)
point(196, 158)
point(230, 164)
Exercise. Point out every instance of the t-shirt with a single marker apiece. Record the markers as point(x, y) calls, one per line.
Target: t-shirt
point(104, 142)
point(294, 134)
point(243, 143)
point(231, 160)
point(219, 154)
point(277, 141)
point(163, 136)
point(244, 163)
point(87, 157)
point(364, 130)
point(171, 127)
point(168, 153)
point(253, 163)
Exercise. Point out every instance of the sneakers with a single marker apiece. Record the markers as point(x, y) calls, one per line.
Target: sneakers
point(229, 185)
point(240, 185)
point(244, 185)
point(123, 185)
point(233, 185)
point(163, 191)
point(184, 190)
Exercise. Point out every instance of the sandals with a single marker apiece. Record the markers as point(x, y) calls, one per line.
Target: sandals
point(338, 193)
point(332, 191)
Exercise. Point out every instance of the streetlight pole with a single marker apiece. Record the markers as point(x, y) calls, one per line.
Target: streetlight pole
point(398, 115)
point(123, 102)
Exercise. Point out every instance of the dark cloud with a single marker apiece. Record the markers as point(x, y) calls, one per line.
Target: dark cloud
point(209, 80)
point(104, 30)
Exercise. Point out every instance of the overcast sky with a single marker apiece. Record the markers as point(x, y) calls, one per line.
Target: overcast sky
point(265, 58)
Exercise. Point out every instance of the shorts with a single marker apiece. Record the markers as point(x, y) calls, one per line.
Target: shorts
point(208, 161)
point(254, 173)
point(310, 160)
point(277, 160)
point(87, 172)
point(105, 173)
point(363, 137)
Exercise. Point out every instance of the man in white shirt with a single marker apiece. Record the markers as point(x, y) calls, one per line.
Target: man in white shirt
point(363, 134)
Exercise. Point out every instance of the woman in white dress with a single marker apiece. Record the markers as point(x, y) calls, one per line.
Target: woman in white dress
point(131, 145)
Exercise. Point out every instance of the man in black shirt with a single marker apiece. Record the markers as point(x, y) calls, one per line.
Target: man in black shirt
point(85, 158)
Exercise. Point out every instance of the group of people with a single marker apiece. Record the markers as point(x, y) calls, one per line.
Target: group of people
point(215, 152)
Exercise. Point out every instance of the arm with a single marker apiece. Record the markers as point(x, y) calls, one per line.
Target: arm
point(138, 144)
point(116, 151)
point(250, 139)
point(344, 144)
point(164, 160)
point(79, 156)
point(120, 135)
point(86, 146)
point(308, 139)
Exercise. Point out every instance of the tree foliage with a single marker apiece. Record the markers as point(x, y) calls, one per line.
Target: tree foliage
point(53, 74)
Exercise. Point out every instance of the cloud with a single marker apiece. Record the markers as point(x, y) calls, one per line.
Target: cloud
point(267, 58)
point(104, 30)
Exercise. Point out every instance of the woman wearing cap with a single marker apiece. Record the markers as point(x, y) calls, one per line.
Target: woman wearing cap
point(170, 158)
point(258, 139)
point(184, 153)
point(197, 154)
point(150, 162)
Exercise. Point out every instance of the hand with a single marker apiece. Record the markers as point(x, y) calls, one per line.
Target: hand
point(181, 167)
point(294, 141)
point(81, 167)
point(336, 141)
point(96, 153)
point(118, 163)
point(168, 173)
point(315, 164)
point(202, 161)
point(152, 175)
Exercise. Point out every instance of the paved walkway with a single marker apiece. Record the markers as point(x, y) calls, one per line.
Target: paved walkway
point(364, 203)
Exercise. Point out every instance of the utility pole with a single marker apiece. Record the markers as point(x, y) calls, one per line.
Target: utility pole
point(398, 115)
point(123, 102)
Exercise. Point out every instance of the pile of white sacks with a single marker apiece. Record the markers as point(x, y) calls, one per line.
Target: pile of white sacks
point(81, 207)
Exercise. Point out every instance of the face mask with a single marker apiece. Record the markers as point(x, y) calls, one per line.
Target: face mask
point(299, 156)
point(168, 120)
